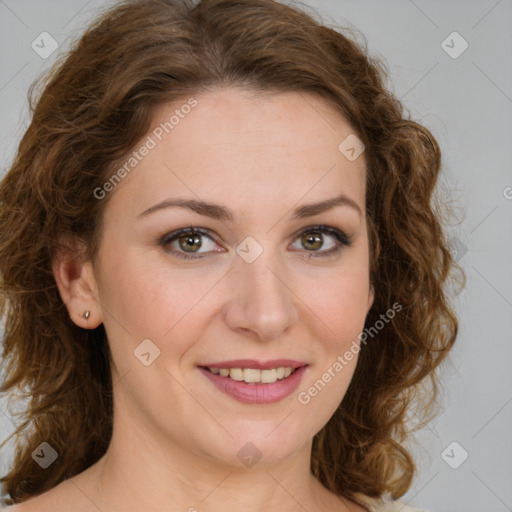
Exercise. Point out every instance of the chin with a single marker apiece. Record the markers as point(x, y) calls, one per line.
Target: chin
point(257, 446)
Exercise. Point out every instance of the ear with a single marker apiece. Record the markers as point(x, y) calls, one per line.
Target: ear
point(371, 294)
point(371, 297)
point(75, 280)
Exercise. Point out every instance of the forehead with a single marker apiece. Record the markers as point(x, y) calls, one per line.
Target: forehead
point(233, 146)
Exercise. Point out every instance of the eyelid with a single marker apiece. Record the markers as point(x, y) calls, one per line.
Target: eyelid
point(343, 240)
point(173, 235)
point(324, 228)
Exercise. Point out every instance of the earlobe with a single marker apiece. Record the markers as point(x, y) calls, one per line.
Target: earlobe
point(371, 295)
point(371, 298)
point(77, 287)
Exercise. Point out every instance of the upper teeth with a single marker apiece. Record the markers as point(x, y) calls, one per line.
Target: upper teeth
point(252, 375)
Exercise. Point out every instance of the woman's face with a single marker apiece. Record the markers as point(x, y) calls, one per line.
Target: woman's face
point(257, 281)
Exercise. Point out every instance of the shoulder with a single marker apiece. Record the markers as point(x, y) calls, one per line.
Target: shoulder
point(379, 505)
point(31, 505)
point(22, 507)
point(62, 498)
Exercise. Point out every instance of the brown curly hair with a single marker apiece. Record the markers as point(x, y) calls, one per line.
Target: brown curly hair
point(94, 105)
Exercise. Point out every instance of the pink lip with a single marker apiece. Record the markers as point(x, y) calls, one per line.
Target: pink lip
point(256, 393)
point(257, 365)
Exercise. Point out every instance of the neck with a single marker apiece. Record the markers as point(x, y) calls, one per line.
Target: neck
point(142, 471)
point(145, 468)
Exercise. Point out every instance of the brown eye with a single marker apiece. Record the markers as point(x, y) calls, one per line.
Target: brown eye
point(322, 241)
point(313, 241)
point(190, 243)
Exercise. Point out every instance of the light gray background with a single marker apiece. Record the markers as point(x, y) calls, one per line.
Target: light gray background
point(467, 103)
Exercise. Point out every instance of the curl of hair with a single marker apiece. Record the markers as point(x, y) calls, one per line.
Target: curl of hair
point(95, 104)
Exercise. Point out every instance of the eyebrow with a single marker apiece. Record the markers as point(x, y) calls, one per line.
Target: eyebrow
point(222, 213)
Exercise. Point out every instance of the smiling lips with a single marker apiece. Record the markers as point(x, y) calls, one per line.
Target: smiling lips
point(253, 375)
point(251, 381)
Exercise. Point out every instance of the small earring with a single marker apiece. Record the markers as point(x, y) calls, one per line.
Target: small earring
point(86, 315)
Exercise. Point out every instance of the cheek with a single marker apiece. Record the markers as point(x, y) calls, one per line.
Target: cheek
point(340, 312)
point(142, 299)
point(136, 297)
point(340, 300)
point(124, 284)
point(340, 306)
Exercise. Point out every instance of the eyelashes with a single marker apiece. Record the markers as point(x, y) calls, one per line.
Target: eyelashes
point(181, 243)
point(189, 236)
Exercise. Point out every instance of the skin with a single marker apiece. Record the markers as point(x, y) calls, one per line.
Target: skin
point(176, 436)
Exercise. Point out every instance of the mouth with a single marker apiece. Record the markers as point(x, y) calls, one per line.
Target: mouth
point(253, 375)
point(253, 382)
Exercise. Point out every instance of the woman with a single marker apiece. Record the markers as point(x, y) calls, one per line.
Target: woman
point(223, 274)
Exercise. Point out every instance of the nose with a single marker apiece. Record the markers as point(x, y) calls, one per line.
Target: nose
point(261, 299)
